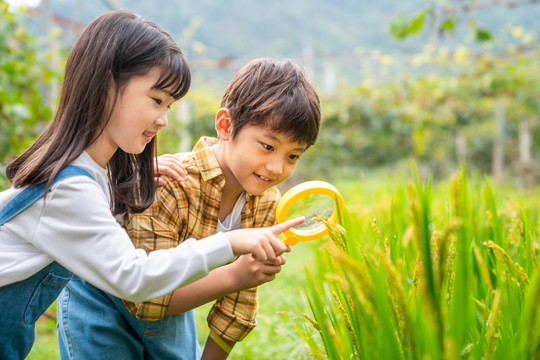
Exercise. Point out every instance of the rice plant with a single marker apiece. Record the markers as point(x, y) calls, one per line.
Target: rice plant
point(432, 277)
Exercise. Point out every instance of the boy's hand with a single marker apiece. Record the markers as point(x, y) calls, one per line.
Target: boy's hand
point(249, 273)
point(262, 243)
point(170, 165)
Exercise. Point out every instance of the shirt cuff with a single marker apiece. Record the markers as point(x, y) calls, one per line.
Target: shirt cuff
point(218, 249)
point(229, 326)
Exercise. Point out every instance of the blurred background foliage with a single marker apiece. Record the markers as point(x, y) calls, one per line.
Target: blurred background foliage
point(441, 82)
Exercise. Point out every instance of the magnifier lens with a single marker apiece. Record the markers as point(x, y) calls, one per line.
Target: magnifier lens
point(313, 207)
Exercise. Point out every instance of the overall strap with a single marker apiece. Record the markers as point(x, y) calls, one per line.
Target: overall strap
point(33, 192)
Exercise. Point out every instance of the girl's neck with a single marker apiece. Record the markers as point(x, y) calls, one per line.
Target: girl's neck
point(101, 152)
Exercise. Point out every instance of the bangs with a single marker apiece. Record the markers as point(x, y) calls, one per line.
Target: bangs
point(299, 128)
point(294, 116)
point(175, 77)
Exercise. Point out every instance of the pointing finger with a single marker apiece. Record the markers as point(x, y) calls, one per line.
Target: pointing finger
point(286, 225)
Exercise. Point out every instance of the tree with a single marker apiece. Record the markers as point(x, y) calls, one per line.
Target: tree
point(24, 72)
point(442, 17)
point(514, 90)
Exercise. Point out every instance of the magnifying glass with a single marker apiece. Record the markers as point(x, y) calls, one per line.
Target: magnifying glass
point(311, 199)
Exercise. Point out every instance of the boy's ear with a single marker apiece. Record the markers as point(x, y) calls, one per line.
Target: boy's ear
point(223, 124)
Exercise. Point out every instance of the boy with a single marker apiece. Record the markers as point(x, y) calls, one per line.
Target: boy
point(269, 116)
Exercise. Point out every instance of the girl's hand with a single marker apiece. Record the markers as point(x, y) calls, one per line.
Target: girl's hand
point(171, 165)
point(262, 243)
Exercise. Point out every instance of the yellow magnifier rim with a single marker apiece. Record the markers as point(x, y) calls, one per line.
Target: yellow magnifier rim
point(292, 236)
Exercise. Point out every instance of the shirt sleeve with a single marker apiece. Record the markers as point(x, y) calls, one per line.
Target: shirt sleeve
point(157, 228)
point(233, 316)
point(78, 230)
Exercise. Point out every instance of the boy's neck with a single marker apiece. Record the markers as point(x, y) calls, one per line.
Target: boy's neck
point(232, 188)
point(228, 200)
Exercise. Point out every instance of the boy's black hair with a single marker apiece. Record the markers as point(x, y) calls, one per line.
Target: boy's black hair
point(276, 95)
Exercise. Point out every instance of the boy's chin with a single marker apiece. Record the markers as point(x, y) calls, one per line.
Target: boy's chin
point(257, 192)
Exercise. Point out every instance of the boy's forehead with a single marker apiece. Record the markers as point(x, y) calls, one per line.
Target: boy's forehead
point(281, 137)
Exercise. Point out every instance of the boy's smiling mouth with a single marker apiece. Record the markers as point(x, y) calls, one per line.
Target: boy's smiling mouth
point(263, 179)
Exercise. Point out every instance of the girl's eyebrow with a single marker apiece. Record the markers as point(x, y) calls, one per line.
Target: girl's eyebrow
point(166, 93)
point(162, 91)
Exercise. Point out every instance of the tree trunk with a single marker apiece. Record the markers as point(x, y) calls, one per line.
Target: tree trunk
point(525, 153)
point(461, 146)
point(497, 163)
point(525, 143)
point(184, 116)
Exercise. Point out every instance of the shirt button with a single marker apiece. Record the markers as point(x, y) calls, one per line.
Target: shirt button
point(247, 212)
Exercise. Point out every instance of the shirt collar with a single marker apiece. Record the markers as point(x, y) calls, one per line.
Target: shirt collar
point(205, 159)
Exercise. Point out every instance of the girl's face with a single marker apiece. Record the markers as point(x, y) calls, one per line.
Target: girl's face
point(138, 115)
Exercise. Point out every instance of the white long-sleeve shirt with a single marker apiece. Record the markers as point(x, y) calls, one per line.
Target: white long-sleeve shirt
point(74, 225)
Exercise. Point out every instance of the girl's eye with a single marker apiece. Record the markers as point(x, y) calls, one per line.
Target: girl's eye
point(267, 147)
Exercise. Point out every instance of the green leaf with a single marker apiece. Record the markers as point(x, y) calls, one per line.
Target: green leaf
point(417, 22)
point(448, 25)
point(482, 35)
point(399, 27)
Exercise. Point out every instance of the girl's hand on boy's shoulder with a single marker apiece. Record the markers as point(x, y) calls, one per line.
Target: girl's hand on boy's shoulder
point(171, 165)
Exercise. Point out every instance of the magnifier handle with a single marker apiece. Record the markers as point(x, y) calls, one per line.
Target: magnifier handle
point(290, 240)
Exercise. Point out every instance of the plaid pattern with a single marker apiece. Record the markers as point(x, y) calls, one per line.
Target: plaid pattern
point(190, 209)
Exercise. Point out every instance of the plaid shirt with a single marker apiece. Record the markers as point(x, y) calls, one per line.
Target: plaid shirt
point(190, 209)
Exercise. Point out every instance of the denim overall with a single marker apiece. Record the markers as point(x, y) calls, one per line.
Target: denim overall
point(23, 302)
point(93, 324)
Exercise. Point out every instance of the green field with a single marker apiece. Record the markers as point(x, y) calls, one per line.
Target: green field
point(372, 292)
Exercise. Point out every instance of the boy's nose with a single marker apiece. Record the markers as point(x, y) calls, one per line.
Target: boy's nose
point(275, 166)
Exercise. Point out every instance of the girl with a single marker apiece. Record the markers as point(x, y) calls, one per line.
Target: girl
point(94, 162)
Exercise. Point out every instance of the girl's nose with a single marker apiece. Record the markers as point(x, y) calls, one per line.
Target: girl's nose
point(162, 120)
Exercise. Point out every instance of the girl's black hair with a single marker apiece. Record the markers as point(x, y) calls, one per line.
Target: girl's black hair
point(111, 50)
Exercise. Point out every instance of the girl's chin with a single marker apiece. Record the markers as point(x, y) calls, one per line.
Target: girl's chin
point(133, 150)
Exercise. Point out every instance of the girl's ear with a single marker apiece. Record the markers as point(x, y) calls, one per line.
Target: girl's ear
point(223, 124)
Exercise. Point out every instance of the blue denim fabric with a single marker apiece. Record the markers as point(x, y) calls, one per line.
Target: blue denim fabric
point(95, 325)
point(23, 302)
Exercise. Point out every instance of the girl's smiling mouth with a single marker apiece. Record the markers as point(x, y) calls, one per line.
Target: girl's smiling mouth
point(149, 135)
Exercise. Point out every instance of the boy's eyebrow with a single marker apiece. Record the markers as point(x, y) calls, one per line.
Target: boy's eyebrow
point(276, 139)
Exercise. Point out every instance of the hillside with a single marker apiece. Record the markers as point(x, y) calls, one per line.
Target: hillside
point(333, 38)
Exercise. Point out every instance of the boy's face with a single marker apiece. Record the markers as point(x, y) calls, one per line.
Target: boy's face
point(259, 158)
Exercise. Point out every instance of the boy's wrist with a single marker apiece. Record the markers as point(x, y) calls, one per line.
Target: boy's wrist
point(225, 345)
point(216, 347)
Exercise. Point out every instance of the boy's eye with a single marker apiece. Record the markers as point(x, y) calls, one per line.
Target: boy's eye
point(158, 101)
point(294, 157)
point(267, 147)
